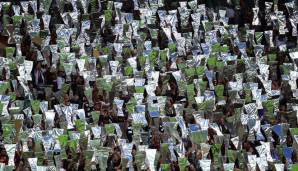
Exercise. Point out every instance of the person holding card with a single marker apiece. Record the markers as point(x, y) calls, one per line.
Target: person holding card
point(38, 75)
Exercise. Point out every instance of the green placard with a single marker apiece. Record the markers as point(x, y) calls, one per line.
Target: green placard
point(152, 56)
point(3, 87)
point(220, 65)
point(63, 140)
point(200, 70)
point(189, 72)
point(269, 106)
point(103, 84)
point(211, 62)
point(38, 146)
point(294, 131)
point(216, 47)
point(1, 107)
point(203, 86)
point(172, 46)
point(108, 16)
point(164, 148)
point(163, 55)
point(37, 118)
point(225, 49)
point(198, 137)
point(165, 167)
point(182, 163)
point(128, 71)
point(12, 96)
point(259, 36)
point(35, 104)
point(272, 57)
point(7, 132)
point(294, 167)
point(5, 8)
point(219, 90)
point(72, 144)
point(139, 89)
point(17, 20)
point(142, 60)
point(130, 105)
point(80, 126)
point(232, 155)
point(208, 26)
point(215, 150)
point(110, 129)
point(95, 116)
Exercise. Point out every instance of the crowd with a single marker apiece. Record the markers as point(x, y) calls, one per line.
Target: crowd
point(148, 85)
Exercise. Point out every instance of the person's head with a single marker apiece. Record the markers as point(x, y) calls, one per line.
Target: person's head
point(169, 102)
point(2, 150)
point(30, 143)
point(221, 121)
point(66, 99)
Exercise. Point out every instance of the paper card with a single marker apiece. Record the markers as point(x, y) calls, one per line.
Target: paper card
point(4, 86)
point(220, 66)
point(232, 156)
point(200, 70)
point(152, 56)
point(17, 20)
point(287, 152)
point(211, 62)
point(94, 144)
point(150, 157)
point(190, 72)
point(182, 161)
point(164, 149)
point(229, 166)
point(154, 114)
point(199, 136)
point(1, 107)
point(108, 16)
point(172, 47)
point(9, 52)
point(139, 118)
point(269, 106)
point(294, 167)
point(128, 71)
point(205, 165)
point(165, 167)
point(164, 55)
point(193, 127)
point(140, 158)
point(110, 129)
point(80, 125)
point(72, 144)
point(215, 150)
point(38, 146)
point(203, 86)
point(63, 140)
point(8, 133)
point(219, 90)
point(95, 116)
point(130, 105)
point(104, 84)
point(216, 47)
point(139, 89)
point(294, 131)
